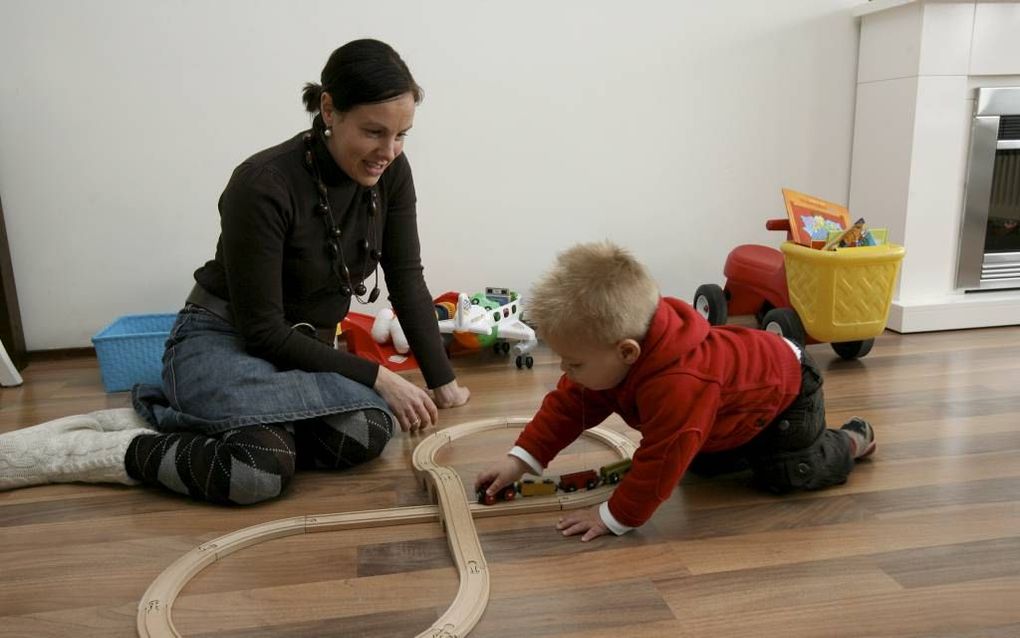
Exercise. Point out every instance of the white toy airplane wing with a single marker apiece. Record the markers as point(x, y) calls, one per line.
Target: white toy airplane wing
point(515, 330)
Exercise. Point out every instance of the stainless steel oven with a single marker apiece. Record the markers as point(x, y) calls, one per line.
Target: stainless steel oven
point(990, 238)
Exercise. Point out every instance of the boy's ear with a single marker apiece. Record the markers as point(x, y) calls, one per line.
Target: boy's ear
point(629, 350)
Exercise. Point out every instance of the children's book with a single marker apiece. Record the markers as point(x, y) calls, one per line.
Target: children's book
point(812, 219)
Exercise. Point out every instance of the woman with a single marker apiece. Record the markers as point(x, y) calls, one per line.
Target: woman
point(252, 385)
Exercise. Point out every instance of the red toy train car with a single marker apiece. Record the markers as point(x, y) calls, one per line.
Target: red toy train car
point(574, 481)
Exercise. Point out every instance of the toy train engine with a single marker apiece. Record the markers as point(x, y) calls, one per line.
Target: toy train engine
point(574, 481)
point(611, 473)
point(508, 493)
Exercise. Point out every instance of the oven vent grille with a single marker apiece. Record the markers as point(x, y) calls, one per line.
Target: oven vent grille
point(1006, 180)
point(1009, 127)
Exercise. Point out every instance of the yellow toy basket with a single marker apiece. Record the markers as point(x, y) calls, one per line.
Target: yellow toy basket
point(843, 294)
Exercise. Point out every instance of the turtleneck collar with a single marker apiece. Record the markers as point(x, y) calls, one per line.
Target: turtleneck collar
point(332, 174)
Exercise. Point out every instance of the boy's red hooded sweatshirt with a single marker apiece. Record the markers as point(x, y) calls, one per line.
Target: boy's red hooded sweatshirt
point(694, 388)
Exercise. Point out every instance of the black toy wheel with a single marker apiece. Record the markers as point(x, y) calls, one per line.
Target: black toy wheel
point(591, 484)
point(529, 361)
point(505, 347)
point(710, 302)
point(519, 361)
point(496, 348)
point(850, 350)
point(759, 316)
point(785, 322)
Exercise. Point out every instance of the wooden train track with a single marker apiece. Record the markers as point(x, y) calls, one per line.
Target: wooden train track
point(454, 511)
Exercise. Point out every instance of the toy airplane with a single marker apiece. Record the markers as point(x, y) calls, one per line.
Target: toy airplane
point(492, 318)
point(485, 319)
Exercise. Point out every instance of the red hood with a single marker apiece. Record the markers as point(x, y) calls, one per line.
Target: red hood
point(675, 330)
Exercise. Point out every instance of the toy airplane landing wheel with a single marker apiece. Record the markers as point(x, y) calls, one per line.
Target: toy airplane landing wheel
point(786, 323)
point(525, 360)
point(850, 350)
point(710, 302)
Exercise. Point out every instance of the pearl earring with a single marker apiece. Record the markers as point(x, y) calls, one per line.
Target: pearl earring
point(328, 132)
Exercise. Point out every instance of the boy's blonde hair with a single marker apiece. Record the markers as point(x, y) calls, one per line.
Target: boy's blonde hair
point(595, 291)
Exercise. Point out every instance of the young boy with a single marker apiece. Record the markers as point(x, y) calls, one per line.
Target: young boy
point(718, 392)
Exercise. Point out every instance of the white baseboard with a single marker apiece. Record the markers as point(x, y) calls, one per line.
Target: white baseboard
point(972, 310)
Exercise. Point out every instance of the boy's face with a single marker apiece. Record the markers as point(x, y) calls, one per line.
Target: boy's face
point(594, 366)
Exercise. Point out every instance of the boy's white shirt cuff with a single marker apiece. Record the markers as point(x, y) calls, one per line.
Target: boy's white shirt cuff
point(610, 521)
point(524, 455)
point(795, 348)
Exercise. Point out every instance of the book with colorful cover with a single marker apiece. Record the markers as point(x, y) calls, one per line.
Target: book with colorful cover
point(812, 219)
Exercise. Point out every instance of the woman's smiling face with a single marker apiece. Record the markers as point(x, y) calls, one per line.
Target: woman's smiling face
point(367, 138)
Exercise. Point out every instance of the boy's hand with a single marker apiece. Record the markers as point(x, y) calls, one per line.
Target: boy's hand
point(587, 521)
point(503, 473)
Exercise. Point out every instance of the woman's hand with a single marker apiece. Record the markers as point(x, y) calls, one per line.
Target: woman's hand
point(586, 522)
point(412, 405)
point(450, 395)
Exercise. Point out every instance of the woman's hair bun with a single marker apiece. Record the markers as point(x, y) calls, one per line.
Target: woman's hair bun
point(312, 96)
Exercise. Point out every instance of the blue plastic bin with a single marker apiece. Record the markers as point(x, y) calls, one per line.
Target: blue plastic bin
point(130, 350)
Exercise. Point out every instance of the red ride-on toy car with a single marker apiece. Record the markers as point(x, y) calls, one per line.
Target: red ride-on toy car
point(843, 296)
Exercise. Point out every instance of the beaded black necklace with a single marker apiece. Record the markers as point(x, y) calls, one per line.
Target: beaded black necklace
point(334, 246)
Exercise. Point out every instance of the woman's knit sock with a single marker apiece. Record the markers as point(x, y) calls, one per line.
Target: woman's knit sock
point(85, 447)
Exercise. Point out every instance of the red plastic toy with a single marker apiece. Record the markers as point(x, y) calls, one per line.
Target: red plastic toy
point(356, 330)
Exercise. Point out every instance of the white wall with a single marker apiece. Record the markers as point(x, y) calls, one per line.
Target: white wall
point(667, 126)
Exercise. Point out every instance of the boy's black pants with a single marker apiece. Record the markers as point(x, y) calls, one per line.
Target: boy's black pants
point(796, 451)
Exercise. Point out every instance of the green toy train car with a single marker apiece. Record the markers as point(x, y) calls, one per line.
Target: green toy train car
point(612, 473)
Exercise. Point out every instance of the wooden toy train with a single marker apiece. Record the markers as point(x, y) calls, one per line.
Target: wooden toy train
point(609, 474)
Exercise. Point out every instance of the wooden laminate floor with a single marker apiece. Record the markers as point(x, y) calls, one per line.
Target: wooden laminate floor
point(924, 540)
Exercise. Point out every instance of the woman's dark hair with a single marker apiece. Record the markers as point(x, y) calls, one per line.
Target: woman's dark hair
point(361, 72)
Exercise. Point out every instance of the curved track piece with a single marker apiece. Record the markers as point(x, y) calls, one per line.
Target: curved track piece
point(454, 510)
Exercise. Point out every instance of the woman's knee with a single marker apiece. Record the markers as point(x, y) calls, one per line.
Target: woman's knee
point(262, 463)
point(352, 438)
point(248, 488)
point(381, 427)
